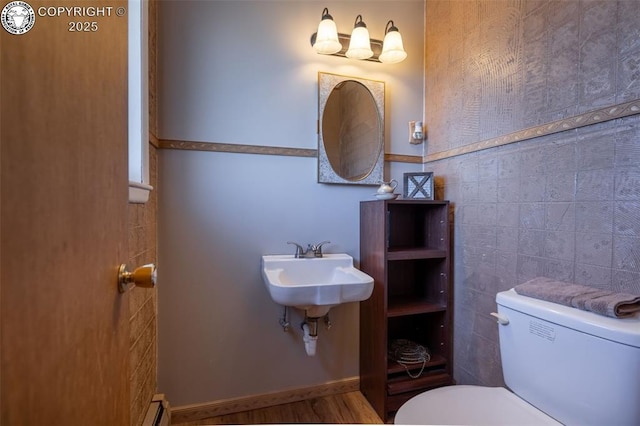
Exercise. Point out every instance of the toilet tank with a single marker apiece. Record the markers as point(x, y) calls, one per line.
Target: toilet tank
point(578, 367)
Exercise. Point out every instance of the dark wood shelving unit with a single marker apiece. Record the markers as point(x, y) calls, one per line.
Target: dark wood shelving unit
point(404, 246)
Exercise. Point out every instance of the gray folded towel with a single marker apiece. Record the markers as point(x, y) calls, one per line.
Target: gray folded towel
point(616, 305)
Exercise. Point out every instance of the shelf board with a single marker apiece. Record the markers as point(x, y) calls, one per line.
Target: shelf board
point(408, 306)
point(394, 402)
point(413, 253)
point(407, 384)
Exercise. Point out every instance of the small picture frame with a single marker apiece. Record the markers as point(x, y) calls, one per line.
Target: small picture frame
point(418, 186)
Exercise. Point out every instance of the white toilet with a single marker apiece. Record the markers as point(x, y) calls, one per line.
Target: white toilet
point(563, 365)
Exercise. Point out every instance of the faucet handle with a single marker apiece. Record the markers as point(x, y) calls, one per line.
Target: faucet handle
point(299, 249)
point(317, 249)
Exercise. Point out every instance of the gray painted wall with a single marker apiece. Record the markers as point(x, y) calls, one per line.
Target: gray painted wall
point(244, 72)
point(565, 206)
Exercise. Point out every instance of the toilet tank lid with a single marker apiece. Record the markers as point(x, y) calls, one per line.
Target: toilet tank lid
point(621, 330)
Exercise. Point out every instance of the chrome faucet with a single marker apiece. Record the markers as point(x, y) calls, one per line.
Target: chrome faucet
point(313, 250)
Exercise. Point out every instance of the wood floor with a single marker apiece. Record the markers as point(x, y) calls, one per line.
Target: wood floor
point(351, 407)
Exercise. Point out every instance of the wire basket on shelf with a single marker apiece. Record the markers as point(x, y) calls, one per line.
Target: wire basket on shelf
point(409, 353)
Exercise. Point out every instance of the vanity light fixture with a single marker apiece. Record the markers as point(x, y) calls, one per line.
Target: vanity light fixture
point(327, 41)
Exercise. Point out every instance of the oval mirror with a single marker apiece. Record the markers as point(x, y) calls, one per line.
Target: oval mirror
point(351, 137)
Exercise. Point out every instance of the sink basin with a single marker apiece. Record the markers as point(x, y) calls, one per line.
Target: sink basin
point(316, 284)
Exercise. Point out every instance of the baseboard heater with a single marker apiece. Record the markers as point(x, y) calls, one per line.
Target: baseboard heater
point(159, 412)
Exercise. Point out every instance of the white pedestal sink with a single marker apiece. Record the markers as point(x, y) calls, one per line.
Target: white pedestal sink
point(315, 285)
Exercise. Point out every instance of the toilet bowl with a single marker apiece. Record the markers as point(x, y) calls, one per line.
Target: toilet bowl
point(470, 405)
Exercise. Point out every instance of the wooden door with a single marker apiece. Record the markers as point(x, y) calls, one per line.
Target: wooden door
point(63, 225)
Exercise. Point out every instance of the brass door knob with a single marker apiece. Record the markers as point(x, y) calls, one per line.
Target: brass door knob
point(143, 276)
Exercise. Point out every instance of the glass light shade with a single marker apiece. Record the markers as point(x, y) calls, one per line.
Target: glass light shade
point(392, 48)
point(327, 41)
point(359, 45)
